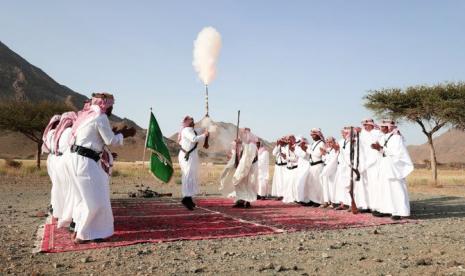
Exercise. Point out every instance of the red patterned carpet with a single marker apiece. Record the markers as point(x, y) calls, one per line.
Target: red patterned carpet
point(162, 220)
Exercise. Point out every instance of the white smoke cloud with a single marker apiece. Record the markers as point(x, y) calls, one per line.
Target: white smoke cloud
point(206, 51)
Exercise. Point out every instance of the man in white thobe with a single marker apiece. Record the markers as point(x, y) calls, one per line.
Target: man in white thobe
point(303, 164)
point(368, 185)
point(395, 166)
point(279, 169)
point(328, 174)
point(62, 150)
point(263, 171)
point(47, 147)
point(60, 144)
point(310, 186)
point(242, 184)
point(90, 133)
point(342, 178)
point(291, 174)
point(188, 139)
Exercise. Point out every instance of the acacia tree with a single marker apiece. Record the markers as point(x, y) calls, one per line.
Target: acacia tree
point(431, 107)
point(29, 118)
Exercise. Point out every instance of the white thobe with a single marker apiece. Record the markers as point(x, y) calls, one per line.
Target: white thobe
point(52, 172)
point(395, 166)
point(291, 175)
point(245, 177)
point(226, 178)
point(368, 185)
point(279, 170)
point(263, 173)
point(342, 178)
point(310, 187)
point(328, 175)
point(69, 188)
point(92, 214)
point(61, 189)
point(190, 167)
point(302, 171)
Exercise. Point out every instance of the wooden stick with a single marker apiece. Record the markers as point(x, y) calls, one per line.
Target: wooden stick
point(146, 137)
point(236, 161)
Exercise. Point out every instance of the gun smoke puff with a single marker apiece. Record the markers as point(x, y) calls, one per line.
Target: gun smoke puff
point(206, 51)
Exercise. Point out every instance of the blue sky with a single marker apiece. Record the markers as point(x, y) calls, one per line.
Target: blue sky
point(287, 65)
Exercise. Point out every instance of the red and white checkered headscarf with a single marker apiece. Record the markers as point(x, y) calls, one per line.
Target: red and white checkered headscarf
point(99, 104)
point(67, 120)
point(317, 131)
point(391, 125)
point(51, 123)
point(371, 122)
point(185, 123)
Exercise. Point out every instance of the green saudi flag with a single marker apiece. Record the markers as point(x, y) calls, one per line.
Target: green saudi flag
point(160, 160)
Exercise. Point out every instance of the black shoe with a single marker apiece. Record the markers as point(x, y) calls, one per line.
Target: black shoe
point(72, 226)
point(259, 197)
point(364, 211)
point(247, 205)
point(187, 203)
point(309, 204)
point(99, 240)
point(239, 204)
point(376, 214)
point(316, 204)
point(192, 202)
point(395, 217)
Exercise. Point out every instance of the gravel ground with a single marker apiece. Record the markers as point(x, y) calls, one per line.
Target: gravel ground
point(433, 245)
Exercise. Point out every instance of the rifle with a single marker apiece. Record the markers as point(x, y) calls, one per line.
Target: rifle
point(236, 160)
point(353, 206)
point(205, 143)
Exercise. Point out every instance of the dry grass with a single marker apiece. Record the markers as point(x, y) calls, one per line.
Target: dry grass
point(27, 168)
point(451, 182)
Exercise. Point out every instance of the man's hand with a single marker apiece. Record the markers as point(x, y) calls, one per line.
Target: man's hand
point(323, 151)
point(206, 132)
point(114, 154)
point(337, 147)
point(283, 155)
point(376, 146)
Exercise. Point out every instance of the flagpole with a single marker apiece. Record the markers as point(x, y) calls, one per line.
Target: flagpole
point(146, 137)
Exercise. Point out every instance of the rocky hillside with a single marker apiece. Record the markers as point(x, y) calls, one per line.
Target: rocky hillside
point(23, 81)
point(450, 147)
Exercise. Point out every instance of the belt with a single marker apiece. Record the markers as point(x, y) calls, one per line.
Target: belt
point(188, 153)
point(86, 152)
point(293, 167)
point(316, 163)
point(281, 164)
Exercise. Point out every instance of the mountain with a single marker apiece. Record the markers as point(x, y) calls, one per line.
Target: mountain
point(23, 81)
point(450, 148)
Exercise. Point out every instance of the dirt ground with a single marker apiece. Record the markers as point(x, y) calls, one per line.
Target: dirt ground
point(435, 244)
